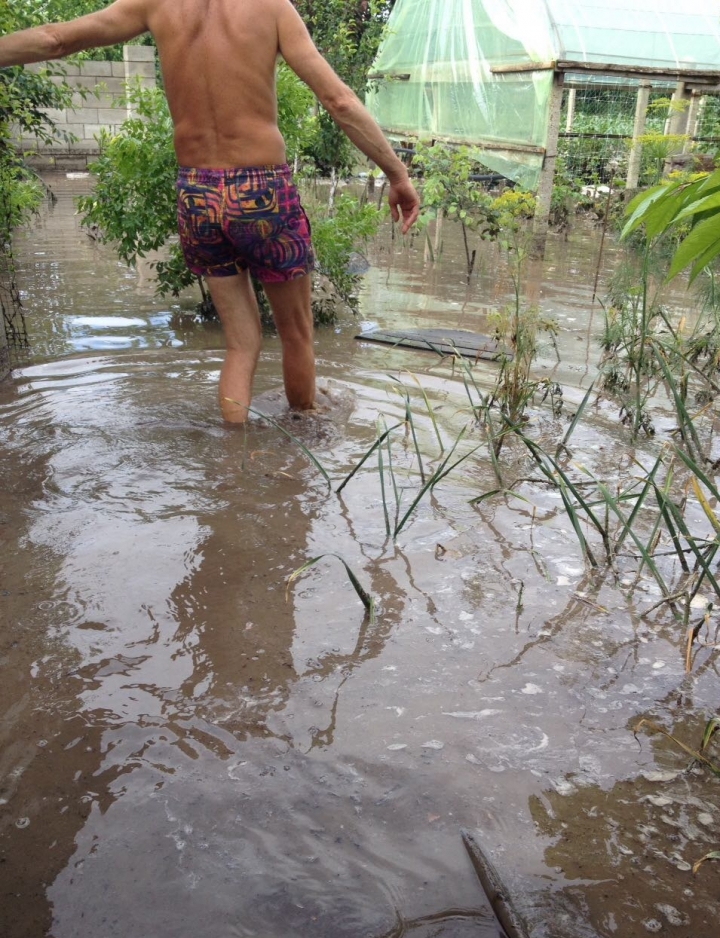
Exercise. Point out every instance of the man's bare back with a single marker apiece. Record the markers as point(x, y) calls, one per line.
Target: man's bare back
point(218, 60)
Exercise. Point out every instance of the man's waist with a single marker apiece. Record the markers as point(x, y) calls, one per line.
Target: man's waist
point(249, 175)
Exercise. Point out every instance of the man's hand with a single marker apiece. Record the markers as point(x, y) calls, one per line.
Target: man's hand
point(404, 203)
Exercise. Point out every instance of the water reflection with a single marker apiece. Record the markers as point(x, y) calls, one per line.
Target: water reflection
point(647, 831)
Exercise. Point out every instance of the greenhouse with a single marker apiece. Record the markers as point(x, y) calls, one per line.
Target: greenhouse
point(503, 75)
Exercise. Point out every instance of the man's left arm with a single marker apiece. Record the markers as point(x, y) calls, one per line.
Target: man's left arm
point(119, 22)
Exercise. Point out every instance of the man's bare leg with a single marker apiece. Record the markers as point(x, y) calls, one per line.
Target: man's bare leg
point(292, 310)
point(234, 299)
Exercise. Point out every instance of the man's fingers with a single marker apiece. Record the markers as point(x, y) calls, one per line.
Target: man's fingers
point(410, 216)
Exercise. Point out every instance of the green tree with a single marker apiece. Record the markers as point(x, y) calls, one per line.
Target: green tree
point(23, 96)
point(348, 34)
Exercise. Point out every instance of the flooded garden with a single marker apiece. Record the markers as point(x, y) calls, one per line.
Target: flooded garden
point(206, 733)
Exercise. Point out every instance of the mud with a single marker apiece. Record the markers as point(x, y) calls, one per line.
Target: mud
point(190, 746)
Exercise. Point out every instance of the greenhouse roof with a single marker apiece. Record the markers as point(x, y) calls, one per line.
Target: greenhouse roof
point(659, 34)
point(481, 71)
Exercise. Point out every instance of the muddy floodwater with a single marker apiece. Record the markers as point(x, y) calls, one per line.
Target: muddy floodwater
point(192, 748)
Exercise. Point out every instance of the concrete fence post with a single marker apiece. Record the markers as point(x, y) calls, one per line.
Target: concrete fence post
point(140, 65)
point(677, 122)
point(543, 199)
point(635, 160)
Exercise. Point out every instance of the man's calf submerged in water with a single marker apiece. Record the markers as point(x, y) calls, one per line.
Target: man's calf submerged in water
point(238, 209)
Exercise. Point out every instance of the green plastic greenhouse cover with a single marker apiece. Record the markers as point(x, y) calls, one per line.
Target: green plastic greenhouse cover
point(434, 77)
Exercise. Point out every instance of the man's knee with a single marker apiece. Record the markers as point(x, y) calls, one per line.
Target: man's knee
point(292, 310)
point(297, 327)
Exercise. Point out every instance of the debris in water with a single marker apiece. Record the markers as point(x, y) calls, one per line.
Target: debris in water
point(562, 786)
point(433, 744)
point(660, 776)
point(672, 915)
point(471, 714)
point(659, 801)
point(494, 889)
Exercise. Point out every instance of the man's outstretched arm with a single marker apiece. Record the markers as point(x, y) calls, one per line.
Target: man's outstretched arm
point(346, 109)
point(120, 22)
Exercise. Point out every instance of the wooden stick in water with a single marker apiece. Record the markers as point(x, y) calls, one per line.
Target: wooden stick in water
point(494, 889)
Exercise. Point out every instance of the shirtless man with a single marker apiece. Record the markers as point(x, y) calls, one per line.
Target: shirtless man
point(238, 210)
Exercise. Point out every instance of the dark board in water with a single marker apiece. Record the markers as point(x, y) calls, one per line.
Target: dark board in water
point(443, 341)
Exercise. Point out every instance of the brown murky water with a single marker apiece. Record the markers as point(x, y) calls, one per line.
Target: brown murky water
point(188, 750)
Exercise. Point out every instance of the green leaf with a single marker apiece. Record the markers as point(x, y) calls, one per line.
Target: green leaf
point(709, 203)
point(711, 727)
point(702, 241)
point(640, 206)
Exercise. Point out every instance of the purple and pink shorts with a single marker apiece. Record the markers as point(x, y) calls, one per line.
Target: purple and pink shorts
point(251, 218)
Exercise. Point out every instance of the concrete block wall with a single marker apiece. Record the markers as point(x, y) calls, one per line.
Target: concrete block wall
point(95, 107)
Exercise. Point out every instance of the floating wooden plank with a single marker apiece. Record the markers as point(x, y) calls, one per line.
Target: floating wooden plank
point(441, 341)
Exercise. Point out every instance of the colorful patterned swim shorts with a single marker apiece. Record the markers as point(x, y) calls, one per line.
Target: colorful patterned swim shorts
point(245, 219)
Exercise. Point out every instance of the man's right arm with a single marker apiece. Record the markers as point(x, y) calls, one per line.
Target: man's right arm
point(119, 22)
point(346, 109)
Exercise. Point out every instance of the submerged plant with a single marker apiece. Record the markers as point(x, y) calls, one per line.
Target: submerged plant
point(450, 191)
point(517, 328)
point(697, 755)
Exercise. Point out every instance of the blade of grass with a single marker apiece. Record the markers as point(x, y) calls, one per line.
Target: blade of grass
point(430, 411)
point(494, 447)
point(711, 727)
point(642, 548)
point(367, 600)
point(684, 531)
point(684, 418)
point(705, 504)
point(311, 456)
point(697, 471)
point(368, 454)
point(381, 472)
point(710, 557)
point(391, 469)
point(481, 498)
point(576, 420)
point(575, 490)
point(672, 530)
point(409, 422)
point(551, 474)
point(638, 505)
point(443, 469)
